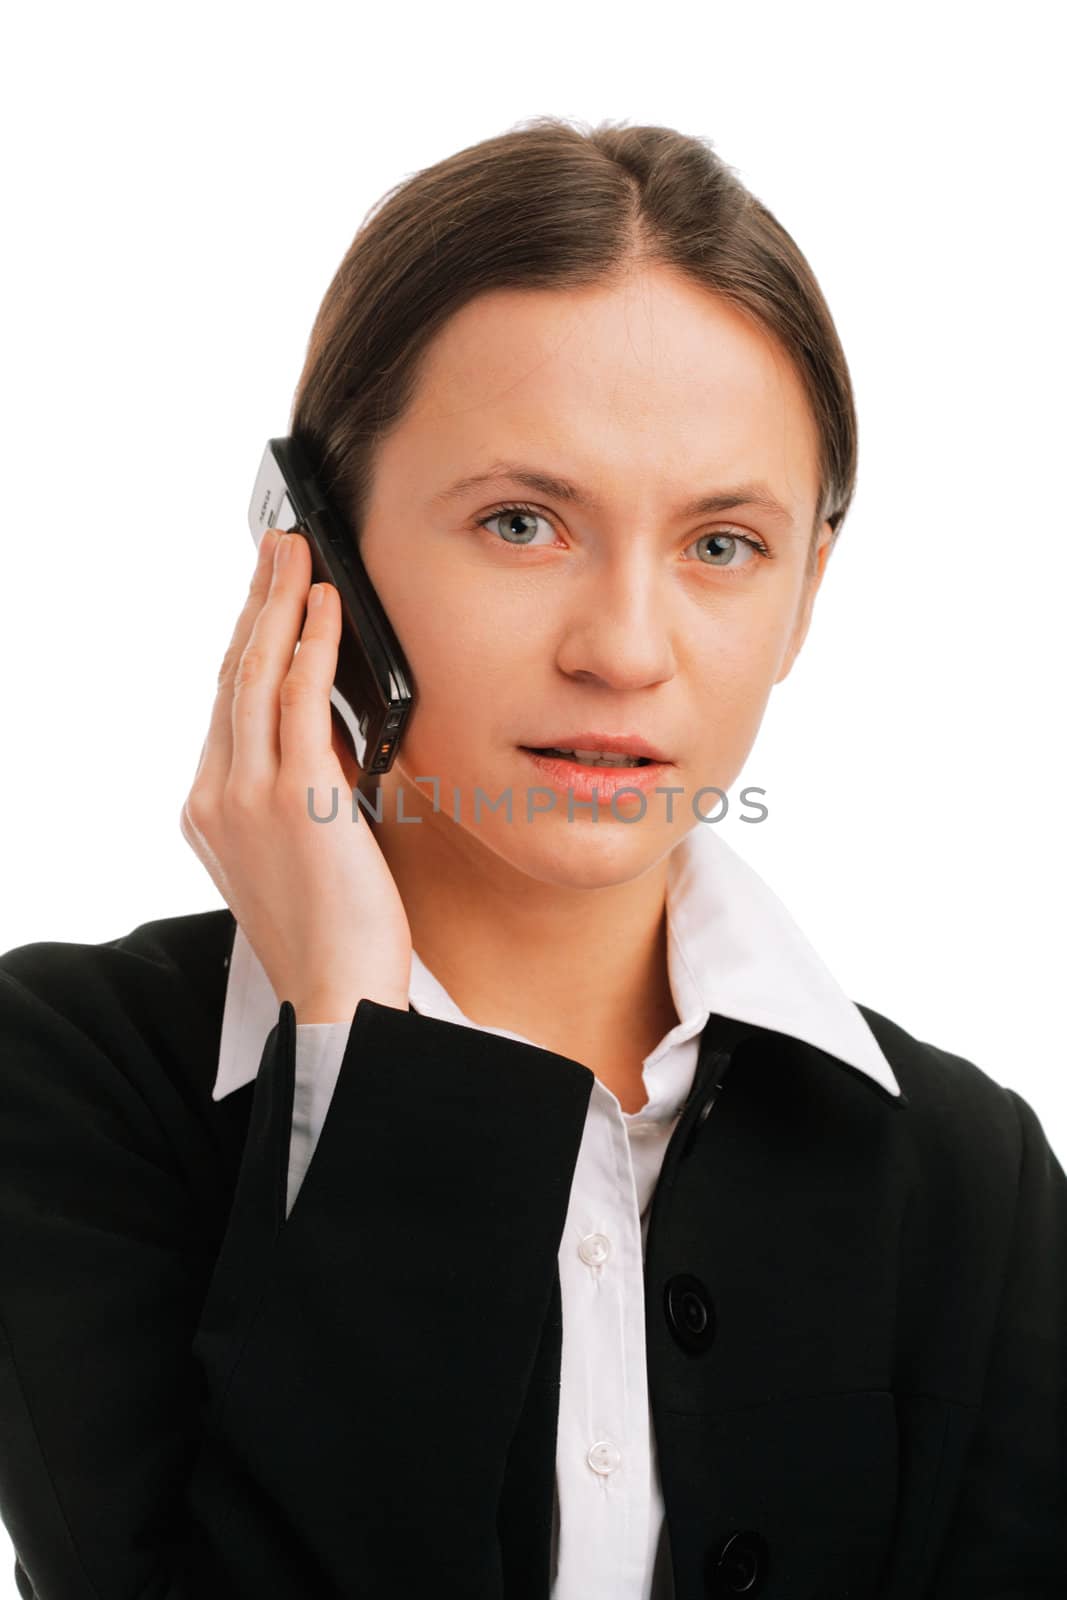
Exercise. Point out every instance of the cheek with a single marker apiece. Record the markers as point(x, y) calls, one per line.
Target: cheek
point(460, 646)
point(732, 675)
point(465, 679)
point(453, 651)
point(466, 641)
point(737, 655)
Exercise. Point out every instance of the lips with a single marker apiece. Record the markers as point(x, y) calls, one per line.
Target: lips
point(632, 745)
point(604, 784)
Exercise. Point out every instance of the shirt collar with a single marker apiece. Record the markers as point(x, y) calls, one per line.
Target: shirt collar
point(732, 949)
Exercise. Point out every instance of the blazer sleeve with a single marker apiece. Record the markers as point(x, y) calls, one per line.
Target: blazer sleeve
point(1008, 1536)
point(280, 1415)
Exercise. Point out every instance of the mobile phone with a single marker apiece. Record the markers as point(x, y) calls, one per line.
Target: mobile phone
point(373, 689)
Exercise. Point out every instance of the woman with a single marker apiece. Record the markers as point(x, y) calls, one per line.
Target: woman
point(509, 1202)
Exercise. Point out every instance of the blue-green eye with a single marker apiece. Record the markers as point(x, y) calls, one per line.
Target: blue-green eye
point(733, 542)
point(519, 538)
point(514, 513)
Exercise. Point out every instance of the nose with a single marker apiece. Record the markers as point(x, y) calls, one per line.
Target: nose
point(618, 629)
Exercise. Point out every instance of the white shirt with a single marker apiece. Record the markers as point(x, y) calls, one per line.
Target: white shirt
point(733, 949)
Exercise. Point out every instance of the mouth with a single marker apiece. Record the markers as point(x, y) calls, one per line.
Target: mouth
point(598, 778)
point(592, 759)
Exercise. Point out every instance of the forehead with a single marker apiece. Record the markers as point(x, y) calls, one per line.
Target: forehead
point(636, 388)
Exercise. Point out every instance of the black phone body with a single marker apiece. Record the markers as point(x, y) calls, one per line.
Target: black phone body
point(373, 689)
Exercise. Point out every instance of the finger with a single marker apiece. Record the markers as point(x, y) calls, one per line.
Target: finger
point(344, 750)
point(306, 717)
point(216, 755)
point(267, 658)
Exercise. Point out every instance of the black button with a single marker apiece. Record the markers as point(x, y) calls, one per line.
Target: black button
point(738, 1566)
point(690, 1314)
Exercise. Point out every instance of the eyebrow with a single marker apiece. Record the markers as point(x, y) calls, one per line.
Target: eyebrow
point(742, 494)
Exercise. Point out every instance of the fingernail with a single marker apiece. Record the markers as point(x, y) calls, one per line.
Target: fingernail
point(281, 550)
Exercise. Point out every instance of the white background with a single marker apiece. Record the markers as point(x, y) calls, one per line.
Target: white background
point(180, 186)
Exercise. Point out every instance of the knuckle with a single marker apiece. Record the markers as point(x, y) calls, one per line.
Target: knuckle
point(229, 664)
point(295, 690)
point(292, 793)
point(307, 795)
point(194, 812)
point(241, 798)
point(249, 668)
point(197, 829)
point(186, 824)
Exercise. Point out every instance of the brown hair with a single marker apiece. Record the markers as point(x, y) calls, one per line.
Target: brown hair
point(553, 204)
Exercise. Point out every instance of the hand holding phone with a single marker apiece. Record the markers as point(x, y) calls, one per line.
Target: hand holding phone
point(373, 692)
point(316, 899)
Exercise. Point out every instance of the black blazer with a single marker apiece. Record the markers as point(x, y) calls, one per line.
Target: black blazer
point(856, 1307)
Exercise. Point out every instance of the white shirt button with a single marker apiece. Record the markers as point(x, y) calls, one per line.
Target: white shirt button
point(603, 1457)
point(594, 1249)
point(643, 1128)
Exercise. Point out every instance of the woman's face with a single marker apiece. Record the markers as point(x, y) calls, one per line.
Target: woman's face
point(614, 609)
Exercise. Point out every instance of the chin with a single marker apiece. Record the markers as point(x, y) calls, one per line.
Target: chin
point(580, 855)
